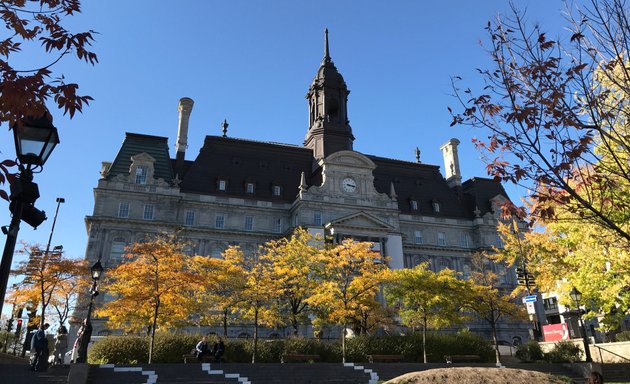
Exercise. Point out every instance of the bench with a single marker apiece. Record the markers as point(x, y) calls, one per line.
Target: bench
point(461, 358)
point(299, 358)
point(192, 358)
point(385, 358)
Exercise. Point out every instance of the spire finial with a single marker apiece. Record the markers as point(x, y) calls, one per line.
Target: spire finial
point(417, 155)
point(225, 125)
point(326, 50)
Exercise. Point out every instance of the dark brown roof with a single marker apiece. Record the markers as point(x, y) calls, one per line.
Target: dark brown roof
point(135, 143)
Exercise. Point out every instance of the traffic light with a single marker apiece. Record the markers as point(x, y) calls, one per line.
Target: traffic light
point(18, 327)
point(520, 276)
point(531, 282)
point(9, 325)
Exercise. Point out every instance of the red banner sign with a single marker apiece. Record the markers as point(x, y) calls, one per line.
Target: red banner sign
point(555, 332)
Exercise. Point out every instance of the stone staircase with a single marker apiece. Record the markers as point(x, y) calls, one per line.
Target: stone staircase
point(20, 373)
point(616, 373)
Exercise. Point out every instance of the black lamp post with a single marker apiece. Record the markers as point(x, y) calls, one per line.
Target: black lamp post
point(86, 333)
point(35, 140)
point(577, 297)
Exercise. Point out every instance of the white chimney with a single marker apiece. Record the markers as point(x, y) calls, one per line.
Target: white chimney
point(451, 163)
point(185, 107)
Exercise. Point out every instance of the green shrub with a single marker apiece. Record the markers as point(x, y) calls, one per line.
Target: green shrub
point(623, 336)
point(530, 351)
point(119, 350)
point(564, 352)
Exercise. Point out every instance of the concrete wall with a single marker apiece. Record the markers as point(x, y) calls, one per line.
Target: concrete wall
point(602, 352)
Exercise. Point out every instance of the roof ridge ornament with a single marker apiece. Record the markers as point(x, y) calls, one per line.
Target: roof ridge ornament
point(326, 49)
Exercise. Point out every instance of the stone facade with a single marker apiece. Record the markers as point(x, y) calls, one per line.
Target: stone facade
point(243, 192)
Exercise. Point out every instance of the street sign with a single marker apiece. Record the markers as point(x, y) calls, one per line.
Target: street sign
point(531, 309)
point(529, 299)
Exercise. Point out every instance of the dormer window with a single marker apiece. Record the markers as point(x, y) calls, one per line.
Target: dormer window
point(141, 174)
point(141, 169)
point(222, 185)
point(436, 206)
point(277, 190)
point(414, 205)
point(249, 188)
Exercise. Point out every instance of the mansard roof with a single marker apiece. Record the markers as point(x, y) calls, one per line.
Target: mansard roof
point(135, 143)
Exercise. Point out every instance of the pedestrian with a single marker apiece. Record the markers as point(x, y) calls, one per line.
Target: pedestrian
point(202, 349)
point(595, 378)
point(218, 349)
point(61, 345)
point(39, 350)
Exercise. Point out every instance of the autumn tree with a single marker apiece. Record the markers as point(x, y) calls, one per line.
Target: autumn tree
point(259, 296)
point(425, 299)
point(24, 92)
point(153, 287)
point(347, 274)
point(484, 296)
point(556, 111)
point(46, 278)
point(294, 261)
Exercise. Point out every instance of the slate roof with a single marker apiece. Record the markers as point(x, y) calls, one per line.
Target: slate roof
point(135, 143)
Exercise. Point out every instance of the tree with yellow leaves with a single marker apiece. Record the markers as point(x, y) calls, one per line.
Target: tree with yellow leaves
point(347, 274)
point(259, 294)
point(46, 277)
point(151, 288)
point(426, 299)
point(294, 261)
point(484, 295)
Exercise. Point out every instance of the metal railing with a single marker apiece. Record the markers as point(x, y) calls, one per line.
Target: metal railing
point(601, 359)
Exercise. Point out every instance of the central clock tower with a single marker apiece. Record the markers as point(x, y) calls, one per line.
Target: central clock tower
point(329, 128)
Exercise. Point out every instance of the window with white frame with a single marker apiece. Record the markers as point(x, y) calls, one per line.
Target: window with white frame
point(222, 184)
point(436, 206)
point(249, 187)
point(189, 217)
point(466, 270)
point(277, 190)
point(117, 251)
point(219, 221)
point(278, 225)
point(148, 212)
point(441, 238)
point(249, 223)
point(123, 209)
point(317, 218)
point(417, 237)
point(142, 171)
point(414, 205)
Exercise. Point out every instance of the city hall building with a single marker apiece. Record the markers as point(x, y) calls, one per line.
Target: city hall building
point(243, 192)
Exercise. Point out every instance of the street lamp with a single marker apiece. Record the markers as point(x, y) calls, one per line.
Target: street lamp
point(35, 139)
point(577, 297)
point(86, 334)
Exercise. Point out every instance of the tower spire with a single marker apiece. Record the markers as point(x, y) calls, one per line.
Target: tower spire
point(326, 50)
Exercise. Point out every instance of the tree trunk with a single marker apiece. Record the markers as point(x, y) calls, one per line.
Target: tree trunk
point(155, 316)
point(294, 323)
point(225, 317)
point(255, 336)
point(496, 344)
point(424, 339)
point(343, 342)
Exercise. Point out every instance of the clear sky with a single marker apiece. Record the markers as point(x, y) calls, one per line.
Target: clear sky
point(251, 62)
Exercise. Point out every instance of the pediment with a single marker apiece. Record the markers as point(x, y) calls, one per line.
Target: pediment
point(349, 158)
point(360, 220)
point(142, 158)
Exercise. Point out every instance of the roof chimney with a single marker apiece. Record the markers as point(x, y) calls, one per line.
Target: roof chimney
point(451, 163)
point(185, 107)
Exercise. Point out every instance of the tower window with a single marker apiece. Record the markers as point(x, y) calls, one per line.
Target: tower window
point(249, 188)
point(141, 174)
point(414, 205)
point(123, 209)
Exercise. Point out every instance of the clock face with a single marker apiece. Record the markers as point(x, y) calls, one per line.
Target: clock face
point(348, 184)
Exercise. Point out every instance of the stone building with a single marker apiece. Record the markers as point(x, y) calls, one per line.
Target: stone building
point(245, 192)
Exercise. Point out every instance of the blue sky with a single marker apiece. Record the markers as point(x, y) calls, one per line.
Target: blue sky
point(251, 62)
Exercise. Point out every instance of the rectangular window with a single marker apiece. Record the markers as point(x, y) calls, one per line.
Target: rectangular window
point(441, 238)
point(278, 226)
point(277, 190)
point(317, 218)
point(148, 212)
point(222, 185)
point(417, 237)
point(117, 252)
point(219, 221)
point(123, 209)
point(465, 240)
point(141, 174)
point(189, 218)
point(249, 188)
point(414, 205)
point(436, 207)
point(249, 223)
point(466, 270)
